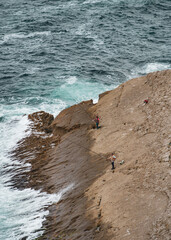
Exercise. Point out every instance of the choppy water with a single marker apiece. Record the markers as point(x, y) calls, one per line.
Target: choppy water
point(56, 52)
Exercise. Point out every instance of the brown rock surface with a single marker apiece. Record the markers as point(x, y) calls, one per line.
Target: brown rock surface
point(135, 200)
point(133, 203)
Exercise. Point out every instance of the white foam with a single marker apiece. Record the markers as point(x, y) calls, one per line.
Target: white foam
point(81, 30)
point(83, 90)
point(10, 133)
point(95, 100)
point(101, 1)
point(54, 108)
point(153, 67)
point(11, 36)
point(71, 80)
point(147, 68)
point(92, 1)
point(44, 137)
point(53, 8)
point(98, 43)
point(7, 37)
point(23, 211)
point(84, 29)
point(26, 211)
point(46, 33)
point(32, 70)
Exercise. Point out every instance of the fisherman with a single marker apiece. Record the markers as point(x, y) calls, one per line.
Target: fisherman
point(146, 101)
point(112, 160)
point(97, 122)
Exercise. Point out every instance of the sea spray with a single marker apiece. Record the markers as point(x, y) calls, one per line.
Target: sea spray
point(24, 211)
point(147, 68)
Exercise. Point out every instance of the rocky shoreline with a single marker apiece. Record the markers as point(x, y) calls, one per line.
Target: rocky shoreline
point(58, 151)
point(131, 203)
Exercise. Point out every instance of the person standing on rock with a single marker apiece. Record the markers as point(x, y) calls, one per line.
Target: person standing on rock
point(145, 101)
point(112, 160)
point(97, 122)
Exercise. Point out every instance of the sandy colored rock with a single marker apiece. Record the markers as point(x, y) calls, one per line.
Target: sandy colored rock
point(135, 199)
point(131, 203)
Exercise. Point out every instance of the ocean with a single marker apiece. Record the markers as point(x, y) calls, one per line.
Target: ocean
point(55, 53)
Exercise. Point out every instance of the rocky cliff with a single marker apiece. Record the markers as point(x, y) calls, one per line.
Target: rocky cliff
point(133, 202)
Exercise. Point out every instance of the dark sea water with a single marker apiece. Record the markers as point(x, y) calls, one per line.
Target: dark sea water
point(54, 53)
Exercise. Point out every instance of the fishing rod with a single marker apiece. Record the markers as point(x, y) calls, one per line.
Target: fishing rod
point(79, 104)
point(85, 148)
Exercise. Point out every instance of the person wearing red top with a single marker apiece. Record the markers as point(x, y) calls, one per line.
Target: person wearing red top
point(146, 101)
point(97, 122)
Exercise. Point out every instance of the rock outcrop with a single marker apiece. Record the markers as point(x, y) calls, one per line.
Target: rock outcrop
point(133, 202)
